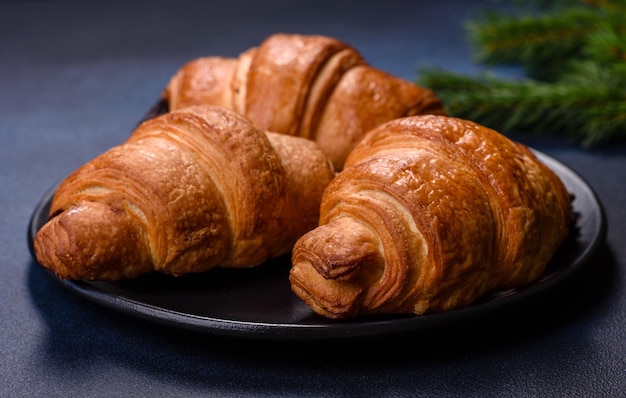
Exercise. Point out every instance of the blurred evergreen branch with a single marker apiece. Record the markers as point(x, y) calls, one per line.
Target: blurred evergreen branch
point(574, 54)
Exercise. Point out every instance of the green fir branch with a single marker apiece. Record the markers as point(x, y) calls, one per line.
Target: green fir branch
point(591, 111)
point(575, 58)
point(542, 45)
point(607, 43)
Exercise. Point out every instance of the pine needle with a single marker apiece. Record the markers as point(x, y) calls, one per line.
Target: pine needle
point(575, 58)
point(540, 44)
point(589, 111)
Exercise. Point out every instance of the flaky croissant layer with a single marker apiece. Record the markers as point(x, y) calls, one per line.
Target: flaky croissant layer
point(429, 214)
point(189, 190)
point(310, 86)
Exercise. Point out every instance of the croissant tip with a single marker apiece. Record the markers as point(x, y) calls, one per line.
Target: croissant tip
point(46, 252)
point(327, 297)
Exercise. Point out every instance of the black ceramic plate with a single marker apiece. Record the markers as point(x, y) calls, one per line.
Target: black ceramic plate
point(259, 303)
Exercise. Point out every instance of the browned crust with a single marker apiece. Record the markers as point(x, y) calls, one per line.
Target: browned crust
point(189, 190)
point(312, 86)
point(453, 210)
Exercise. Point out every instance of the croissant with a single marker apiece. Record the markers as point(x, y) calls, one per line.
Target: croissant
point(189, 190)
point(429, 214)
point(311, 86)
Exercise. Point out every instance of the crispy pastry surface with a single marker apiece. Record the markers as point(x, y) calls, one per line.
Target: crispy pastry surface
point(311, 86)
point(189, 190)
point(429, 214)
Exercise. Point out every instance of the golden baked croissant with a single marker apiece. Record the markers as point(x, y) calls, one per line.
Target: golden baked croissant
point(189, 190)
point(311, 86)
point(429, 214)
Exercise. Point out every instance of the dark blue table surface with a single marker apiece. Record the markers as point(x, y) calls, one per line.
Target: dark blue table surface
point(75, 77)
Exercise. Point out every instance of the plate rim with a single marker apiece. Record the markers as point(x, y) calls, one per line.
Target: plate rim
point(334, 329)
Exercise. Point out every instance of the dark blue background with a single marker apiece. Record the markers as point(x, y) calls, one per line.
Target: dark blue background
point(76, 76)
